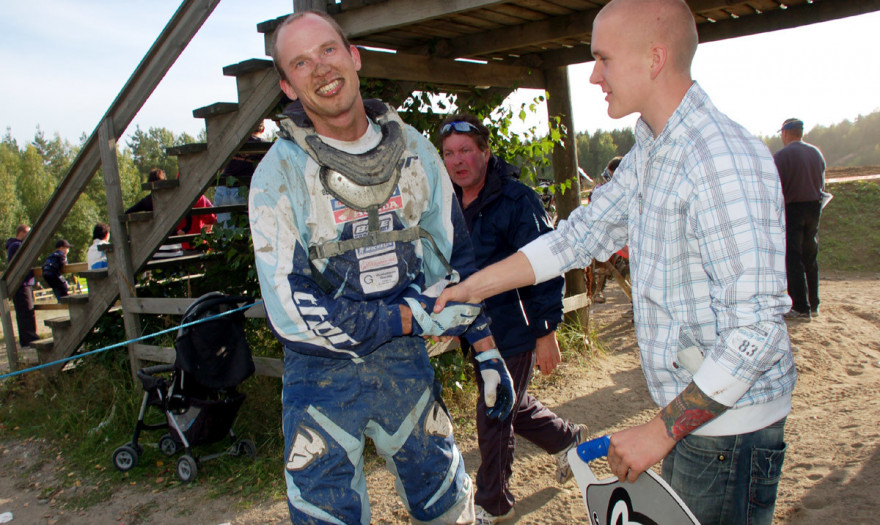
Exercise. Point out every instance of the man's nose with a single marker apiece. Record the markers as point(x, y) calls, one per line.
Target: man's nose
point(321, 67)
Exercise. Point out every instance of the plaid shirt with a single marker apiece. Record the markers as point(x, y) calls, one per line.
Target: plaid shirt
point(702, 211)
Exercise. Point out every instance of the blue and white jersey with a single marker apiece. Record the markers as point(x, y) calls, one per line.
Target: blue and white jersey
point(290, 211)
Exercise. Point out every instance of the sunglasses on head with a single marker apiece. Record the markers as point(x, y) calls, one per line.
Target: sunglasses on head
point(459, 126)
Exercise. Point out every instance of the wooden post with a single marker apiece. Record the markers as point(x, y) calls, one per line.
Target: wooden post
point(121, 268)
point(564, 169)
point(8, 335)
point(309, 5)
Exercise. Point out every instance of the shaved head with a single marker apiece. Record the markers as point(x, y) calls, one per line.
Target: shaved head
point(668, 23)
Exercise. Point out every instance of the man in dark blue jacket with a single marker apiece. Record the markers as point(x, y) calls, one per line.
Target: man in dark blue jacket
point(25, 316)
point(502, 215)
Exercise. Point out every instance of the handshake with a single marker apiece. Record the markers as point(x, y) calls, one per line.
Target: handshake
point(454, 320)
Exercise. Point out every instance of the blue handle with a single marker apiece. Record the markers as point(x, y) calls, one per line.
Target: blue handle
point(593, 449)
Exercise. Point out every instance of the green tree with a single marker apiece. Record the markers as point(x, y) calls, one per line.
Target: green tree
point(11, 211)
point(147, 150)
point(594, 151)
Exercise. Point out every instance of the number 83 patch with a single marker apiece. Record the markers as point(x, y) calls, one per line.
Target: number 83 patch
point(747, 341)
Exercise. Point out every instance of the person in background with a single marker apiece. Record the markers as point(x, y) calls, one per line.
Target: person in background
point(146, 204)
point(95, 258)
point(25, 316)
point(600, 272)
point(53, 268)
point(237, 174)
point(503, 215)
point(802, 174)
point(195, 224)
point(699, 202)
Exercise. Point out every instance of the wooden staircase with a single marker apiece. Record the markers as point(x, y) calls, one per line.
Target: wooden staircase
point(228, 126)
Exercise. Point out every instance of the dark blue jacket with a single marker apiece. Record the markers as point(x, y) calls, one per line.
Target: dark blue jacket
point(54, 263)
point(506, 216)
point(12, 246)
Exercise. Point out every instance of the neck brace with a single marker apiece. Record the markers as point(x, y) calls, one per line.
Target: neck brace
point(364, 181)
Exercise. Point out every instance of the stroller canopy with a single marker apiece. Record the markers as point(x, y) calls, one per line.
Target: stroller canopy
point(214, 352)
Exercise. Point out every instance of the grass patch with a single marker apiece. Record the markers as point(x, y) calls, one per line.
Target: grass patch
point(81, 415)
point(849, 232)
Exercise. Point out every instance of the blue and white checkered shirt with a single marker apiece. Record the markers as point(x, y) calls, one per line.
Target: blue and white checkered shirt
point(702, 211)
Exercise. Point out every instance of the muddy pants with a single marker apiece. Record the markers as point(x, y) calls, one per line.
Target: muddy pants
point(330, 407)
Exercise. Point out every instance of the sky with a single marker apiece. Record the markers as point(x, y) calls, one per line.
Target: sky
point(63, 62)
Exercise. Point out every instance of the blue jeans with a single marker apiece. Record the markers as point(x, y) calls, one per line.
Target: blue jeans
point(224, 196)
point(729, 479)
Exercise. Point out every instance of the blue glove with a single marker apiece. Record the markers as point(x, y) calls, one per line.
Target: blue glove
point(453, 320)
point(497, 384)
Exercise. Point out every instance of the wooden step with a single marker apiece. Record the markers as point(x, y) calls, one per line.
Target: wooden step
point(57, 322)
point(187, 149)
point(179, 239)
point(50, 306)
point(216, 109)
point(188, 257)
point(166, 184)
point(248, 66)
point(80, 298)
point(100, 273)
point(43, 345)
point(254, 148)
point(138, 216)
point(218, 209)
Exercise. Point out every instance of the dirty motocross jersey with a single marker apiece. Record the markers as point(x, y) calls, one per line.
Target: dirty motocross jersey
point(346, 305)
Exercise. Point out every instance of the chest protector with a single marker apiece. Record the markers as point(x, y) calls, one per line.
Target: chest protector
point(362, 181)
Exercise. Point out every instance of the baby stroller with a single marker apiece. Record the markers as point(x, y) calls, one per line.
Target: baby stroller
point(197, 393)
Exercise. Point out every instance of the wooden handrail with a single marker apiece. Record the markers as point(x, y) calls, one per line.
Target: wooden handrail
point(187, 20)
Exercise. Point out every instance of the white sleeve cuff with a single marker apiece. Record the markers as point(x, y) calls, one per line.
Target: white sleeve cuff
point(544, 265)
point(717, 383)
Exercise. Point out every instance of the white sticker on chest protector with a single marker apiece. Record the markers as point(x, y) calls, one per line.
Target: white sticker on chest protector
point(747, 341)
point(379, 280)
point(380, 261)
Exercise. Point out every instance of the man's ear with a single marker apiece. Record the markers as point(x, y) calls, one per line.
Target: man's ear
point(355, 56)
point(287, 89)
point(659, 56)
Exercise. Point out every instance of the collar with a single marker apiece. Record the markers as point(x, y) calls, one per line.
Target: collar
point(693, 100)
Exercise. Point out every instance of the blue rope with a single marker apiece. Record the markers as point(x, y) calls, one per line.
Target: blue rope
point(124, 343)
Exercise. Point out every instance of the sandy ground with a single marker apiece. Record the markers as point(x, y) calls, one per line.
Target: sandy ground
point(832, 467)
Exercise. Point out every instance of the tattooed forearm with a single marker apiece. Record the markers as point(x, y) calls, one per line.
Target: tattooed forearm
point(690, 410)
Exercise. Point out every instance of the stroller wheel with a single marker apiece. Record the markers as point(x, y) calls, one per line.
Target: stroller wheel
point(168, 446)
point(187, 468)
point(245, 447)
point(125, 458)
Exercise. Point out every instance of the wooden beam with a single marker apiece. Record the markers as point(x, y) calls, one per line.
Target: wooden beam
point(383, 16)
point(265, 366)
point(778, 19)
point(175, 306)
point(565, 169)
point(8, 335)
point(122, 268)
point(401, 66)
point(577, 25)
